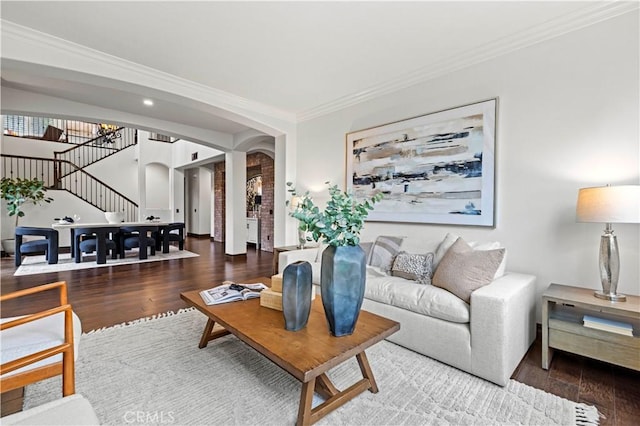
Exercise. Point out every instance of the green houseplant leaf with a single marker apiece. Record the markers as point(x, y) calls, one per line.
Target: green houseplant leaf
point(18, 191)
point(341, 221)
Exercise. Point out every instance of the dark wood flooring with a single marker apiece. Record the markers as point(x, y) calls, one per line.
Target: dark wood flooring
point(106, 296)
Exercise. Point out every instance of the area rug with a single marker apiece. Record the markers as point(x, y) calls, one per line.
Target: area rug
point(38, 264)
point(152, 372)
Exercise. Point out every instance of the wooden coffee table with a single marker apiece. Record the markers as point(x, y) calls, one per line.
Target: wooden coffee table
point(306, 354)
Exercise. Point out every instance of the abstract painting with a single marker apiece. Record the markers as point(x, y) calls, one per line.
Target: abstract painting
point(436, 168)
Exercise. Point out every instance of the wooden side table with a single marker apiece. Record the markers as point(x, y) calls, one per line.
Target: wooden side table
point(563, 310)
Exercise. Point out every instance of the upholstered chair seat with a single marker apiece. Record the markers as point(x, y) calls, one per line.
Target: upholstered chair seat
point(47, 245)
point(140, 237)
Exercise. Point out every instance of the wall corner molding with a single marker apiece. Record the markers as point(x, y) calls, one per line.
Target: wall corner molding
point(537, 34)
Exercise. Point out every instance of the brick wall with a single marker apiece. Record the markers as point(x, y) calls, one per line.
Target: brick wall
point(220, 202)
point(266, 211)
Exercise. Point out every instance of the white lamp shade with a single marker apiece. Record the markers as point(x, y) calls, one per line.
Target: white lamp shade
point(609, 204)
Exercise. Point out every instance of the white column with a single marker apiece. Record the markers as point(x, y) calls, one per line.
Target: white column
point(285, 227)
point(236, 203)
point(177, 196)
point(142, 175)
point(204, 201)
point(280, 192)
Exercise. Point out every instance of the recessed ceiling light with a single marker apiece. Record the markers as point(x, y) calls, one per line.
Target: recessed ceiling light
point(148, 102)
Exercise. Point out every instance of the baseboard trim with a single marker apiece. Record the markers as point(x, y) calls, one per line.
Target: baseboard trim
point(240, 257)
point(189, 234)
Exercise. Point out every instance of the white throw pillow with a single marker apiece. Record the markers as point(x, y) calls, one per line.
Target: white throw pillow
point(448, 241)
point(493, 246)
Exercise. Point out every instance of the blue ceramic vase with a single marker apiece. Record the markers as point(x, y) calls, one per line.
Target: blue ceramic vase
point(343, 274)
point(296, 295)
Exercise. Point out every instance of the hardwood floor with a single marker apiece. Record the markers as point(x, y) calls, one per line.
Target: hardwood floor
point(614, 390)
point(106, 296)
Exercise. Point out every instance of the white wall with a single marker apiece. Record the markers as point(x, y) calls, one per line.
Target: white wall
point(119, 171)
point(157, 194)
point(199, 200)
point(177, 196)
point(568, 117)
point(182, 151)
point(12, 145)
point(153, 161)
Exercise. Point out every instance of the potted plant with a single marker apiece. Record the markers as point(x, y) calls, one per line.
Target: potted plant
point(16, 192)
point(343, 266)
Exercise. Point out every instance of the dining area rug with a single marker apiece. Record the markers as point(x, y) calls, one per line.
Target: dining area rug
point(38, 264)
point(152, 369)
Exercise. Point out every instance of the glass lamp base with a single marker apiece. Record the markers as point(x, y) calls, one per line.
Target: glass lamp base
point(609, 296)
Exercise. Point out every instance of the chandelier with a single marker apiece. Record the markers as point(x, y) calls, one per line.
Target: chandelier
point(108, 133)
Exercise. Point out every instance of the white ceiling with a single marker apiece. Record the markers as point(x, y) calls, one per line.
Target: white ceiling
point(295, 56)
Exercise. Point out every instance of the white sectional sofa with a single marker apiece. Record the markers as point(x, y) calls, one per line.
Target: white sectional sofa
point(486, 337)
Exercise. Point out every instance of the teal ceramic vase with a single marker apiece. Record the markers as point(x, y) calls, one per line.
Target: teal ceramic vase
point(343, 274)
point(296, 295)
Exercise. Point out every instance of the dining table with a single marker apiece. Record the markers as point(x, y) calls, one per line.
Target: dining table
point(72, 226)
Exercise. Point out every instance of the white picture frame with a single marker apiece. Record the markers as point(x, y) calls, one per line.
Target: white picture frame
point(436, 168)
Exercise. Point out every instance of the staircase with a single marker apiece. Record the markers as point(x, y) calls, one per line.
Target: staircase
point(96, 149)
point(66, 170)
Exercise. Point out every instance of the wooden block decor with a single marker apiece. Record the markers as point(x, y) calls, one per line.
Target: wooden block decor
point(276, 283)
point(271, 299)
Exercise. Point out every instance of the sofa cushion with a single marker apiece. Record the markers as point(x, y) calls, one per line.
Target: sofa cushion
point(463, 270)
point(70, 410)
point(444, 246)
point(383, 251)
point(36, 336)
point(448, 241)
point(422, 299)
point(416, 267)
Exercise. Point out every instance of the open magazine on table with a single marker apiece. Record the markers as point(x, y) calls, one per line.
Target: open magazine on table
point(231, 292)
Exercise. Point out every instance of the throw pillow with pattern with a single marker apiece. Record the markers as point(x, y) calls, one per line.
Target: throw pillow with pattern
point(416, 267)
point(383, 251)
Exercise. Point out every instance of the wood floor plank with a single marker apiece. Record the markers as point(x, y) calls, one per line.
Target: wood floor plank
point(597, 386)
point(563, 389)
point(567, 368)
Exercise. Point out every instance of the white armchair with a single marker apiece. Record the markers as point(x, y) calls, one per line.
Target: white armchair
point(40, 345)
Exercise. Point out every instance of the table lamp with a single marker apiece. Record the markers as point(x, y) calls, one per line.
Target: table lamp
point(609, 204)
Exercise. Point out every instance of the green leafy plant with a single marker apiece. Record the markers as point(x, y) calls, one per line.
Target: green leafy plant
point(341, 221)
point(19, 191)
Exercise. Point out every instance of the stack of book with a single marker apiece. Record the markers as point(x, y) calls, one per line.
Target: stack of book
point(272, 297)
point(606, 324)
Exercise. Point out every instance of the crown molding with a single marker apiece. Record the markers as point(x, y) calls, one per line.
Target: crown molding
point(539, 33)
point(239, 105)
point(140, 73)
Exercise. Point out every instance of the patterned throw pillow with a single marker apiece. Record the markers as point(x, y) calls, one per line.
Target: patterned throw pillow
point(416, 267)
point(463, 269)
point(383, 252)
